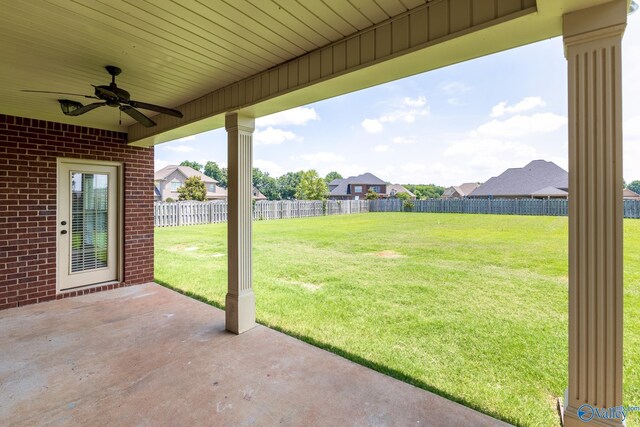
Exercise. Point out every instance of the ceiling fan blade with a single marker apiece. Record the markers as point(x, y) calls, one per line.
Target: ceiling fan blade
point(105, 92)
point(156, 108)
point(85, 109)
point(138, 116)
point(59, 93)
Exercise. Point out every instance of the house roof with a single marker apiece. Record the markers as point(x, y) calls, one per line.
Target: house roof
point(257, 194)
point(462, 189)
point(220, 193)
point(399, 189)
point(537, 175)
point(466, 188)
point(187, 171)
point(550, 192)
point(364, 179)
point(630, 194)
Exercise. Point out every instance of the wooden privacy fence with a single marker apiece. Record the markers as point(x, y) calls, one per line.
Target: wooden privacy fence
point(548, 207)
point(192, 213)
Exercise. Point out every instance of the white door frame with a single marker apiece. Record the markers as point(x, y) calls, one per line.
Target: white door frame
point(118, 210)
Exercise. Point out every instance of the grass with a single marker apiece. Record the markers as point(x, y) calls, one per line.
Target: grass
point(471, 307)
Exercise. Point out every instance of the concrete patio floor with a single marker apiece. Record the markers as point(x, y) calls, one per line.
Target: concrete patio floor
point(146, 355)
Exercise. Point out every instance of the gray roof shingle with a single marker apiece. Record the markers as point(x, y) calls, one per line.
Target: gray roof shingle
point(525, 181)
point(364, 179)
point(184, 170)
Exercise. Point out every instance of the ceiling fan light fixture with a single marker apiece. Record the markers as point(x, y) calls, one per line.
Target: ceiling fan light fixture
point(68, 106)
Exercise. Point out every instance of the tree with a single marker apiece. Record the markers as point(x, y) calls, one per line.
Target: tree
point(193, 189)
point(422, 191)
point(224, 180)
point(372, 195)
point(331, 176)
point(195, 165)
point(266, 184)
point(212, 170)
point(287, 185)
point(634, 186)
point(407, 201)
point(311, 186)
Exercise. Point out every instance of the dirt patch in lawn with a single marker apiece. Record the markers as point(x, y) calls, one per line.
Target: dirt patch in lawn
point(389, 254)
point(304, 285)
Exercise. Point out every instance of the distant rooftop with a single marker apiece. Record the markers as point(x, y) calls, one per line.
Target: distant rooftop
point(184, 170)
point(525, 181)
point(364, 179)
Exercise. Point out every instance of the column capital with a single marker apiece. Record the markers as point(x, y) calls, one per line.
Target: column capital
point(595, 23)
point(238, 120)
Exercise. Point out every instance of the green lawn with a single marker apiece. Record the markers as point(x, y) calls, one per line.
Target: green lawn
point(471, 307)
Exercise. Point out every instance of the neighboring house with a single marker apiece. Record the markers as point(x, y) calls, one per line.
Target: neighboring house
point(630, 194)
point(257, 195)
point(538, 179)
point(356, 188)
point(394, 189)
point(168, 179)
point(460, 191)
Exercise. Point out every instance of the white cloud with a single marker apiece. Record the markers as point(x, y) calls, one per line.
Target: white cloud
point(631, 127)
point(381, 148)
point(526, 104)
point(631, 149)
point(455, 88)
point(414, 167)
point(520, 126)
point(159, 164)
point(420, 101)
point(272, 136)
point(404, 140)
point(296, 116)
point(372, 125)
point(187, 138)
point(407, 110)
point(178, 148)
point(478, 148)
point(273, 168)
point(322, 157)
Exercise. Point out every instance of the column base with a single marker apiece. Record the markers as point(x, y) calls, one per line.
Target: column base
point(240, 312)
point(572, 419)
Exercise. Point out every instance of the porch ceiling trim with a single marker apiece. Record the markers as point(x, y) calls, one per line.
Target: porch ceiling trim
point(430, 36)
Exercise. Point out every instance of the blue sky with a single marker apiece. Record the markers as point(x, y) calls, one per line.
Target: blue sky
point(466, 122)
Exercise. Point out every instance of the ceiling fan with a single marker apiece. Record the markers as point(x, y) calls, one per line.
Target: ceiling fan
point(111, 95)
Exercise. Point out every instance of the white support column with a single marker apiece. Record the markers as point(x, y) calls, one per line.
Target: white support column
point(592, 40)
point(240, 301)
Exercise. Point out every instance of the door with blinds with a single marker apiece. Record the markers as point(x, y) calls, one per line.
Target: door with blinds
point(88, 227)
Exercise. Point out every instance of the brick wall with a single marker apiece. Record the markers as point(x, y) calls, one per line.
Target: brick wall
point(28, 160)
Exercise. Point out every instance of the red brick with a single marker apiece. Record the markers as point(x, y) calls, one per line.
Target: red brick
point(28, 165)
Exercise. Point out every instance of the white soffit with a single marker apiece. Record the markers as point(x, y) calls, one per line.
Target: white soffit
point(173, 52)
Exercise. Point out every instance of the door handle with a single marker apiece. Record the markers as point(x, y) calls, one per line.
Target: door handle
point(63, 232)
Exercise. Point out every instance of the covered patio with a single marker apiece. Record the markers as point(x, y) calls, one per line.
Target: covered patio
point(63, 174)
point(149, 356)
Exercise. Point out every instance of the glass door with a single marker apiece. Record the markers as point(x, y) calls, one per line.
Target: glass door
point(87, 224)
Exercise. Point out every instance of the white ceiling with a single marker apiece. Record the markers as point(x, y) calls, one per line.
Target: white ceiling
point(170, 51)
point(175, 51)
